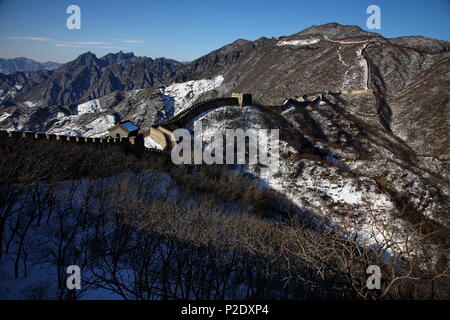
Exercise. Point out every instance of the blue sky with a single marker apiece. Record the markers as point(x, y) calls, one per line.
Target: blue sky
point(187, 29)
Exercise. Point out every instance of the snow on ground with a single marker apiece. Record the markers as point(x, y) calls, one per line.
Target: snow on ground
point(347, 69)
point(38, 278)
point(356, 69)
point(150, 143)
point(60, 115)
point(180, 96)
point(4, 116)
point(11, 92)
point(70, 125)
point(363, 63)
point(28, 104)
point(299, 43)
point(319, 189)
point(89, 107)
point(99, 127)
point(355, 203)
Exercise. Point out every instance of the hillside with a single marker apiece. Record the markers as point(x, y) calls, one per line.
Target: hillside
point(88, 77)
point(363, 171)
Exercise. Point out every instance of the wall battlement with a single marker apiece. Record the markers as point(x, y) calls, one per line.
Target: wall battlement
point(130, 143)
point(162, 133)
point(244, 99)
point(181, 118)
point(65, 138)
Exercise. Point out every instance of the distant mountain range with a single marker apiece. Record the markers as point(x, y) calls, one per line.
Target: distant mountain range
point(8, 66)
point(85, 78)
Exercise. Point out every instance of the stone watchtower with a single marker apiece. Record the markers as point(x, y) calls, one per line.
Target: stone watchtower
point(123, 129)
point(245, 99)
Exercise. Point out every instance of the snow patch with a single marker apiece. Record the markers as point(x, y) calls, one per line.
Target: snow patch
point(60, 115)
point(4, 116)
point(297, 43)
point(99, 127)
point(150, 143)
point(89, 107)
point(28, 104)
point(179, 96)
point(291, 108)
point(41, 241)
point(70, 125)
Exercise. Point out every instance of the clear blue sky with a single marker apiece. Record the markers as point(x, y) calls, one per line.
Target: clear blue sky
point(187, 29)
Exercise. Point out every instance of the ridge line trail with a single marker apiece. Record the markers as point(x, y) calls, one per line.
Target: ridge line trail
point(362, 59)
point(349, 42)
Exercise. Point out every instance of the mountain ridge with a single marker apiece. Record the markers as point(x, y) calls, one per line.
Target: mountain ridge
point(88, 77)
point(22, 64)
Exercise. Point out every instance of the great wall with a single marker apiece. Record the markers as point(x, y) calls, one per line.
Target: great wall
point(133, 144)
point(162, 133)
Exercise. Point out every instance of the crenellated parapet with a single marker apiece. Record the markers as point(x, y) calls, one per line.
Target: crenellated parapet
point(129, 143)
point(184, 116)
point(244, 99)
point(162, 133)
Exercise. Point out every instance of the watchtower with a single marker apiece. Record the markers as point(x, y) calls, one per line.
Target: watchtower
point(123, 129)
point(244, 99)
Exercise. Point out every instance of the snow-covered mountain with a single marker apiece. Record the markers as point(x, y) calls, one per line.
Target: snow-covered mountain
point(365, 161)
point(355, 160)
point(85, 78)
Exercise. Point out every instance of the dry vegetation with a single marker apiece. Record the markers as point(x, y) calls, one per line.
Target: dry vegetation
point(212, 234)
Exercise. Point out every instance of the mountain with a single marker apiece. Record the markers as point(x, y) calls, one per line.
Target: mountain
point(88, 77)
point(328, 57)
point(363, 126)
point(400, 85)
point(8, 66)
point(333, 57)
point(370, 156)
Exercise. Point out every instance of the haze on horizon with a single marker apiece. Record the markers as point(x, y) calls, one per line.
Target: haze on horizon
point(186, 30)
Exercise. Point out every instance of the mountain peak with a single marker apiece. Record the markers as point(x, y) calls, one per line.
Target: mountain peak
point(86, 59)
point(334, 29)
point(119, 57)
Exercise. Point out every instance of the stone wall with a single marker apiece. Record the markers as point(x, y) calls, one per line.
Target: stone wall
point(244, 99)
point(362, 91)
point(156, 135)
point(183, 117)
point(134, 144)
point(169, 136)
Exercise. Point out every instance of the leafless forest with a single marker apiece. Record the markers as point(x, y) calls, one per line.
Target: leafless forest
point(142, 228)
